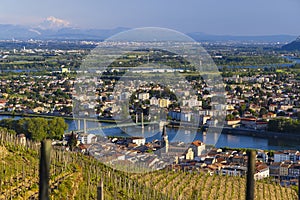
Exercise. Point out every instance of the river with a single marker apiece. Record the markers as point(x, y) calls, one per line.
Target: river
point(175, 135)
point(219, 140)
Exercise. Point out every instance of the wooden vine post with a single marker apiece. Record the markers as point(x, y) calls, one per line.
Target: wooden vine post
point(44, 170)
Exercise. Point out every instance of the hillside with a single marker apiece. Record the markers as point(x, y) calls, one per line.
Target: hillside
point(293, 46)
point(75, 176)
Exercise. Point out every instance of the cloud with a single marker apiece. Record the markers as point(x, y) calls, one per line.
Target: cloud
point(54, 23)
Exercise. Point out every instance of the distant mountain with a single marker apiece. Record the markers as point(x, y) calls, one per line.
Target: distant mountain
point(294, 45)
point(54, 23)
point(56, 29)
point(198, 36)
point(18, 32)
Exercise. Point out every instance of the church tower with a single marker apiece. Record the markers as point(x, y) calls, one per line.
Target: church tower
point(165, 140)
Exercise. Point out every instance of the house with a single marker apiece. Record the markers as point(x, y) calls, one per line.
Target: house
point(249, 122)
point(164, 103)
point(2, 103)
point(185, 116)
point(273, 107)
point(284, 169)
point(138, 140)
point(189, 154)
point(234, 171)
point(144, 96)
point(274, 169)
point(233, 122)
point(269, 115)
point(280, 157)
point(86, 138)
point(198, 147)
point(294, 170)
point(239, 159)
point(209, 160)
point(292, 155)
point(262, 171)
point(262, 156)
point(154, 101)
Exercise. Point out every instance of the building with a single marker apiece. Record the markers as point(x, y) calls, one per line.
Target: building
point(64, 69)
point(284, 169)
point(274, 169)
point(144, 96)
point(154, 101)
point(85, 138)
point(233, 122)
point(249, 122)
point(294, 171)
point(138, 140)
point(2, 103)
point(234, 171)
point(262, 171)
point(198, 147)
point(291, 155)
point(164, 103)
point(189, 154)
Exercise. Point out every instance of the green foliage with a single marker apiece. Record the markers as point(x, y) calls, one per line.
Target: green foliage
point(229, 117)
point(57, 127)
point(284, 125)
point(38, 128)
point(263, 111)
point(75, 176)
point(72, 141)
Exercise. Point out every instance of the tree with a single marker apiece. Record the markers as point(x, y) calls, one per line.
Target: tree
point(263, 111)
point(72, 142)
point(242, 109)
point(37, 129)
point(57, 127)
point(229, 117)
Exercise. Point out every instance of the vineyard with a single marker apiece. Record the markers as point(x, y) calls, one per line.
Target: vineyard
point(75, 176)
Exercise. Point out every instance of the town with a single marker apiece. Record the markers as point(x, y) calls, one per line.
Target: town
point(259, 99)
point(256, 98)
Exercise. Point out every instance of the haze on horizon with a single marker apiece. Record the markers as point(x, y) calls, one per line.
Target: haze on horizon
point(231, 17)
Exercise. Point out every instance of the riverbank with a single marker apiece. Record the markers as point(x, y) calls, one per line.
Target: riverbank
point(260, 133)
point(188, 126)
point(241, 131)
point(66, 117)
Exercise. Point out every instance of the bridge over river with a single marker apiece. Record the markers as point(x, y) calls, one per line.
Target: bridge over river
point(96, 125)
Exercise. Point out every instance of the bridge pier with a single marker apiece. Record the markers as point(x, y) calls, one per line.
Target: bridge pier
point(84, 125)
point(161, 125)
point(142, 120)
point(78, 124)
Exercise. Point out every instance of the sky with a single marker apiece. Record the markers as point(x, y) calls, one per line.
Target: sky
point(220, 17)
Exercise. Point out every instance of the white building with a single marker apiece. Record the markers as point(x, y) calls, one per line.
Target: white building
point(198, 147)
point(144, 96)
point(262, 172)
point(154, 101)
point(292, 155)
point(234, 171)
point(139, 140)
point(86, 138)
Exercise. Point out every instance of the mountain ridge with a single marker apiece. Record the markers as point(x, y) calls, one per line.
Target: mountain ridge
point(20, 32)
point(292, 46)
